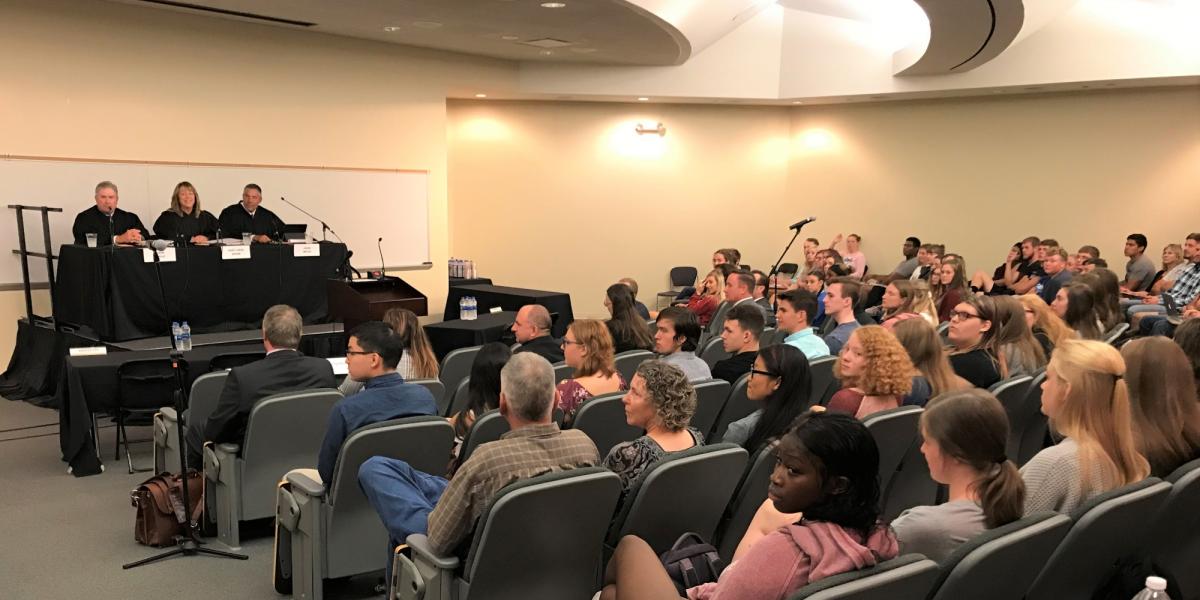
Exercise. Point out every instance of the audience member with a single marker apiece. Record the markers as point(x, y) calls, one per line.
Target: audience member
point(676, 334)
point(1057, 275)
point(1017, 351)
point(1173, 266)
point(587, 348)
point(840, 299)
point(660, 401)
point(108, 223)
point(1162, 395)
point(1187, 335)
point(1085, 398)
point(907, 267)
point(1029, 272)
point(416, 359)
point(483, 388)
point(532, 330)
point(795, 306)
point(283, 370)
point(1048, 328)
point(782, 382)
point(926, 255)
point(1085, 254)
point(1076, 306)
point(951, 288)
point(854, 258)
point(1106, 296)
point(875, 372)
point(815, 282)
point(740, 338)
point(904, 299)
point(705, 301)
point(762, 298)
point(372, 354)
point(971, 335)
point(249, 216)
point(409, 501)
point(811, 246)
point(924, 347)
point(641, 309)
point(1092, 264)
point(997, 284)
point(726, 256)
point(627, 329)
point(739, 289)
point(185, 222)
point(828, 470)
point(964, 435)
point(1186, 287)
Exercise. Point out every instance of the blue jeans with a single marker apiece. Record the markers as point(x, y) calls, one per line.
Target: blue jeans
point(402, 496)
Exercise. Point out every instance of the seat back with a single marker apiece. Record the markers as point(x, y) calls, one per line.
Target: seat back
point(206, 391)
point(904, 577)
point(435, 387)
point(653, 510)
point(710, 399)
point(458, 400)
point(771, 336)
point(737, 406)
point(1032, 423)
point(683, 276)
point(1177, 542)
point(911, 485)
point(562, 371)
point(284, 432)
point(1013, 394)
point(895, 430)
point(456, 366)
point(229, 360)
point(713, 351)
point(999, 564)
point(541, 537)
point(352, 530)
point(749, 495)
point(824, 385)
point(1107, 528)
point(147, 383)
point(603, 419)
point(488, 427)
point(627, 362)
point(1115, 332)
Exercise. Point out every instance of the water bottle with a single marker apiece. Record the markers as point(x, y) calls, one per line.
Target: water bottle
point(470, 269)
point(1156, 589)
point(176, 335)
point(186, 337)
point(462, 308)
point(1038, 289)
point(472, 308)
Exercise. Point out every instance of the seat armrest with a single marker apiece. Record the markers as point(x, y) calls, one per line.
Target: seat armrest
point(212, 465)
point(303, 483)
point(169, 413)
point(419, 543)
point(230, 449)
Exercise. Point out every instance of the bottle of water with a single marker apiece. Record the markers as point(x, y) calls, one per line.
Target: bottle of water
point(455, 267)
point(470, 269)
point(472, 309)
point(176, 335)
point(186, 336)
point(1039, 288)
point(1156, 589)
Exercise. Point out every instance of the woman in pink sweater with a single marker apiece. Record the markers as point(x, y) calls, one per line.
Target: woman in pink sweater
point(827, 469)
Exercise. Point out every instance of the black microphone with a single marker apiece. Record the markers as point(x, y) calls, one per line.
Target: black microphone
point(797, 226)
point(382, 264)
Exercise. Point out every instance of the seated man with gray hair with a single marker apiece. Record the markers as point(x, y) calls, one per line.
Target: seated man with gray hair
point(284, 369)
point(409, 501)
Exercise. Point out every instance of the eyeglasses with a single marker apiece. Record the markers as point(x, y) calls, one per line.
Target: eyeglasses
point(959, 315)
point(764, 373)
point(566, 342)
point(350, 352)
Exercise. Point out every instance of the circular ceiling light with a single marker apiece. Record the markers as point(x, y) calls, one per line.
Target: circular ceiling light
point(481, 95)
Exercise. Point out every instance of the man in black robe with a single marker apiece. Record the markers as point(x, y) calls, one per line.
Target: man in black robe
point(248, 217)
point(109, 223)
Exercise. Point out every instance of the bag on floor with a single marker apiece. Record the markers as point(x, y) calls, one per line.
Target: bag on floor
point(692, 561)
point(159, 504)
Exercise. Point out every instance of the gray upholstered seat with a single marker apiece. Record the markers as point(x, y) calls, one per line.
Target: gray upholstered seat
point(488, 427)
point(710, 399)
point(1176, 551)
point(435, 387)
point(627, 362)
point(1013, 394)
point(713, 351)
point(1031, 422)
point(455, 367)
point(603, 419)
point(1000, 564)
point(824, 384)
point(736, 407)
point(895, 431)
point(907, 577)
point(202, 399)
point(749, 495)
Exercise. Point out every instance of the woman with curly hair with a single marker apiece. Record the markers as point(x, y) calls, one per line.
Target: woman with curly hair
point(875, 371)
point(661, 400)
point(1048, 328)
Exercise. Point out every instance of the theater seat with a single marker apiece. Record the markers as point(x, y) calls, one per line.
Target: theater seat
point(202, 400)
point(1000, 564)
point(907, 577)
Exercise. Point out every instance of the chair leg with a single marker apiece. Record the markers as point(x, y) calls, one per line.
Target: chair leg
point(120, 432)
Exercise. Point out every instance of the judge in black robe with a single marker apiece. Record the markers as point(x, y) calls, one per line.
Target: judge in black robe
point(108, 222)
point(185, 221)
point(248, 216)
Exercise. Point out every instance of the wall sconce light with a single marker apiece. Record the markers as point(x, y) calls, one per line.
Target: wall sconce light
point(660, 130)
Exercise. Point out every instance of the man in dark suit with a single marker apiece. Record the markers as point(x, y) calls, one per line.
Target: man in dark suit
point(248, 216)
point(283, 370)
point(108, 223)
point(740, 337)
point(532, 329)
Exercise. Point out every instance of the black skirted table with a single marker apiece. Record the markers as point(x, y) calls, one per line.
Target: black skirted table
point(115, 292)
point(448, 336)
point(512, 299)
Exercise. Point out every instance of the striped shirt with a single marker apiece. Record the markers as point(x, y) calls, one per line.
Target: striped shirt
point(521, 454)
point(1187, 287)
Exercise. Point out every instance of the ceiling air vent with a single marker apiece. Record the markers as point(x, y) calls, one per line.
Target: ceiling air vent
point(229, 13)
point(548, 43)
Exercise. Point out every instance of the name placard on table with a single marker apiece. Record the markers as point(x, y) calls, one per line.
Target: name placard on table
point(164, 255)
point(235, 252)
point(306, 250)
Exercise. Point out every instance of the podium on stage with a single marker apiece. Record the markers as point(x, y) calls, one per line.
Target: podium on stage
point(358, 301)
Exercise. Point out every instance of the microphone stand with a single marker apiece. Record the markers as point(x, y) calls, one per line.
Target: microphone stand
point(775, 270)
point(187, 543)
point(324, 226)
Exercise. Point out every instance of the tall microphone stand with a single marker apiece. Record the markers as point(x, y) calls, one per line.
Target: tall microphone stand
point(324, 226)
point(188, 543)
point(775, 270)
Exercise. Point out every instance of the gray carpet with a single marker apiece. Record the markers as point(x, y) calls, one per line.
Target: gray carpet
point(62, 536)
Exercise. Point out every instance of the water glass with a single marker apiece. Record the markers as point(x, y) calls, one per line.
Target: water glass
point(91, 240)
point(247, 238)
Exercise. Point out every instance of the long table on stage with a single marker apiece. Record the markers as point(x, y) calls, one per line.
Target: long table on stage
point(511, 299)
point(448, 336)
point(115, 292)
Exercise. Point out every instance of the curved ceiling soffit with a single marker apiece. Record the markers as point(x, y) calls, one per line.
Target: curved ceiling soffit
point(695, 25)
point(963, 34)
point(681, 40)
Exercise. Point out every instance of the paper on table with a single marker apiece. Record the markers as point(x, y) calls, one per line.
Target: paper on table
point(339, 365)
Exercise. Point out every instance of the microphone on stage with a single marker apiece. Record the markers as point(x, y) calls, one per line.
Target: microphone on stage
point(324, 226)
point(382, 263)
point(797, 226)
point(160, 244)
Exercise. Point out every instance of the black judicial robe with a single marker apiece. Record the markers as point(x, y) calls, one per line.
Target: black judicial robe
point(235, 221)
point(171, 226)
point(94, 221)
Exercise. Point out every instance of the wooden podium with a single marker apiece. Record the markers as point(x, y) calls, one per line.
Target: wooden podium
point(357, 301)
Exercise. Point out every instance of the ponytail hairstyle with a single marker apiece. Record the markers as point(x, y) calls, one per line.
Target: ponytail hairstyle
point(971, 427)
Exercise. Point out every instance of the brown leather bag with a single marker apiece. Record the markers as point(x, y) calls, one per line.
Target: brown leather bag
point(159, 504)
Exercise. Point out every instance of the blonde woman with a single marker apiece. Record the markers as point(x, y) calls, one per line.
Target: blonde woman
point(1017, 351)
point(417, 360)
point(924, 347)
point(588, 348)
point(875, 373)
point(1162, 393)
point(1173, 266)
point(1086, 400)
point(185, 221)
point(1048, 328)
point(709, 295)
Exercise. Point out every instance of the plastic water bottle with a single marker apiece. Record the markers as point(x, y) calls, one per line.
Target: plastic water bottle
point(176, 335)
point(472, 308)
point(470, 269)
point(1156, 589)
point(186, 336)
point(462, 308)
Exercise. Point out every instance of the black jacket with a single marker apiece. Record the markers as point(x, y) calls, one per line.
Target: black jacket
point(94, 221)
point(171, 226)
point(546, 347)
point(282, 371)
point(235, 221)
point(734, 367)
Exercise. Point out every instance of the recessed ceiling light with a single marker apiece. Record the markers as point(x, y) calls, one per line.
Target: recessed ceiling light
point(510, 38)
point(391, 28)
point(583, 50)
point(797, 102)
point(546, 52)
point(427, 24)
point(643, 99)
point(481, 95)
point(553, 4)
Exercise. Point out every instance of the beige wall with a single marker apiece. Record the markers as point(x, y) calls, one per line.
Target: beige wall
point(541, 197)
point(104, 80)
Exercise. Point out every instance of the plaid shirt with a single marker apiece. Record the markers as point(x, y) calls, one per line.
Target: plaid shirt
point(1187, 287)
point(527, 452)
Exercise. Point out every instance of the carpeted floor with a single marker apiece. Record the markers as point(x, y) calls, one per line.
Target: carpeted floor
point(64, 537)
